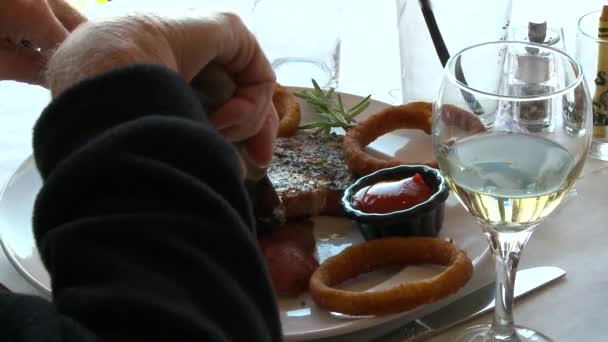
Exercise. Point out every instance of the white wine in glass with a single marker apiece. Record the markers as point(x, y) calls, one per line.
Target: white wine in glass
point(511, 132)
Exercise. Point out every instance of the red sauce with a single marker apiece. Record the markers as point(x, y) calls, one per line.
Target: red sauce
point(386, 197)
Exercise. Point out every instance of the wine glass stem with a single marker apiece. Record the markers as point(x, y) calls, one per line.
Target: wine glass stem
point(506, 248)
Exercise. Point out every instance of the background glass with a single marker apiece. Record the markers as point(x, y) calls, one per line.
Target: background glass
point(540, 32)
point(511, 130)
point(301, 38)
point(587, 48)
point(460, 26)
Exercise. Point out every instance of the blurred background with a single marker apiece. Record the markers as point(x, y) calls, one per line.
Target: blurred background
point(86, 3)
point(370, 26)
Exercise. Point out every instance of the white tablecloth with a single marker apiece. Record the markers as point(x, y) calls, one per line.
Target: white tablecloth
point(575, 238)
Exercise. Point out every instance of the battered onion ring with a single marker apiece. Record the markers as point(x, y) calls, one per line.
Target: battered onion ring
point(288, 108)
point(417, 115)
point(365, 257)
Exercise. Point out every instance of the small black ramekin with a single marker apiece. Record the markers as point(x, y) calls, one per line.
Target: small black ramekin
point(424, 219)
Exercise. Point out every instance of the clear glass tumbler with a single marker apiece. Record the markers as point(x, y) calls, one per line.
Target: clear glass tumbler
point(461, 24)
point(301, 38)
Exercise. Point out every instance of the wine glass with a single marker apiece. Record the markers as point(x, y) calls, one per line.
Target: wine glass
point(511, 131)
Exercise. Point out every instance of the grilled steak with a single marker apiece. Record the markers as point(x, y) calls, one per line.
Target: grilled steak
point(309, 174)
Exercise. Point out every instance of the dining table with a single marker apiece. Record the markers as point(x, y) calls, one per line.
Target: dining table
point(574, 238)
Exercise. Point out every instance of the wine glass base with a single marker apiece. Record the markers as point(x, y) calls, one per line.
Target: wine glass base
point(480, 333)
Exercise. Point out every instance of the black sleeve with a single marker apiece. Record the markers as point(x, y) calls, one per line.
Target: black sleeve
point(143, 221)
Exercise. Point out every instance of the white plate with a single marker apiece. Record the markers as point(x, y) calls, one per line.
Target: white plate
point(301, 318)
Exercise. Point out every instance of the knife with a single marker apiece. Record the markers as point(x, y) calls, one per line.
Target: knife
point(214, 86)
point(469, 306)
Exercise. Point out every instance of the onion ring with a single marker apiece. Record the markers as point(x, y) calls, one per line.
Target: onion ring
point(365, 257)
point(453, 117)
point(288, 108)
point(417, 115)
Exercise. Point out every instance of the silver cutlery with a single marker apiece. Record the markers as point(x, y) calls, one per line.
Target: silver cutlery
point(470, 306)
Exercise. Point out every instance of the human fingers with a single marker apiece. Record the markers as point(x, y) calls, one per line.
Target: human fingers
point(49, 37)
point(31, 21)
point(223, 39)
point(260, 147)
point(21, 63)
point(100, 46)
point(250, 70)
point(69, 16)
point(243, 115)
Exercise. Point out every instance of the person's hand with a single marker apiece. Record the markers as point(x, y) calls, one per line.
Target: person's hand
point(251, 109)
point(29, 30)
point(185, 45)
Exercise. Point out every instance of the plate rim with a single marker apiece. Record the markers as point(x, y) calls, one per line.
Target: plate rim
point(10, 255)
point(348, 327)
point(364, 323)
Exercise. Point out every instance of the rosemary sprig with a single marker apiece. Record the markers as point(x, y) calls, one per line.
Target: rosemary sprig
point(333, 113)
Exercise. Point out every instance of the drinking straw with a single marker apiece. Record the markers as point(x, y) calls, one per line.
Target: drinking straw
point(436, 37)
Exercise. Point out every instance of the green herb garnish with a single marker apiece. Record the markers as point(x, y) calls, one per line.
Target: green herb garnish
point(332, 112)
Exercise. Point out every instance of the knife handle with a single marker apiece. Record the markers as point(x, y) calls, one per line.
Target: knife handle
point(214, 86)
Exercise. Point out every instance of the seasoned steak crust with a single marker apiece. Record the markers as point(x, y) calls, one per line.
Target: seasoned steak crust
point(309, 173)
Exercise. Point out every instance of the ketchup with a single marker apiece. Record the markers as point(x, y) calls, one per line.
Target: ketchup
point(386, 197)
